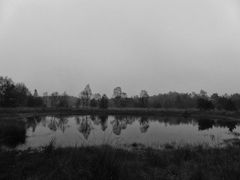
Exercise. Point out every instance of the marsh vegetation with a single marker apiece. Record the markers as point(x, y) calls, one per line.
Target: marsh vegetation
point(105, 162)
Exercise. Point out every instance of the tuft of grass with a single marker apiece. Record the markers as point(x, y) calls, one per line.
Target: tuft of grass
point(49, 149)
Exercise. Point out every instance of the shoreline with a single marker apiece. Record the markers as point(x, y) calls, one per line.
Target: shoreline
point(188, 113)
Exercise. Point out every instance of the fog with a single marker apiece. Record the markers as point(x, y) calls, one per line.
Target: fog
point(157, 45)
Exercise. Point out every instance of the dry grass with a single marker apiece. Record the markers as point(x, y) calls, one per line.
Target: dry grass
point(104, 162)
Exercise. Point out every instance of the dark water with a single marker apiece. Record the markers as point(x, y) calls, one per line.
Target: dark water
point(126, 131)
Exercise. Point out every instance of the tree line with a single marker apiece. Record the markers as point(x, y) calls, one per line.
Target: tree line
point(18, 95)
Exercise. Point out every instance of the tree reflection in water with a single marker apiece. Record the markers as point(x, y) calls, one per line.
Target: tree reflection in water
point(205, 124)
point(53, 124)
point(85, 126)
point(100, 121)
point(60, 123)
point(144, 124)
point(32, 122)
point(96, 120)
point(231, 125)
point(63, 123)
point(119, 123)
point(93, 117)
point(77, 119)
point(116, 127)
point(103, 122)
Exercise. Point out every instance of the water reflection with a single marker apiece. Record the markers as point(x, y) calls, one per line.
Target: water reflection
point(120, 123)
point(85, 126)
point(103, 122)
point(131, 129)
point(100, 121)
point(32, 122)
point(144, 124)
point(55, 123)
point(231, 125)
point(205, 124)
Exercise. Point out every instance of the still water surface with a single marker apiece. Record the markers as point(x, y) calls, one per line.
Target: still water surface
point(126, 131)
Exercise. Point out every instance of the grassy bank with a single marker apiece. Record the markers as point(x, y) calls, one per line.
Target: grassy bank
point(188, 163)
point(232, 115)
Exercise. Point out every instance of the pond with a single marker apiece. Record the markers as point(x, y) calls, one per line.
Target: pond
point(124, 131)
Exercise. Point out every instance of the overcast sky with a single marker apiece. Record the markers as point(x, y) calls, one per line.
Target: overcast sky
point(157, 45)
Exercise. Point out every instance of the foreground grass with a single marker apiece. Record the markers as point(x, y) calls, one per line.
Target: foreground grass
point(104, 162)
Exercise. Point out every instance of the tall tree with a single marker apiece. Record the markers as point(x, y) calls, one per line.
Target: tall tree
point(117, 92)
point(144, 98)
point(46, 100)
point(7, 92)
point(64, 100)
point(203, 94)
point(35, 94)
point(54, 99)
point(86, 95)
point(21, 93)
point(104, 102)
